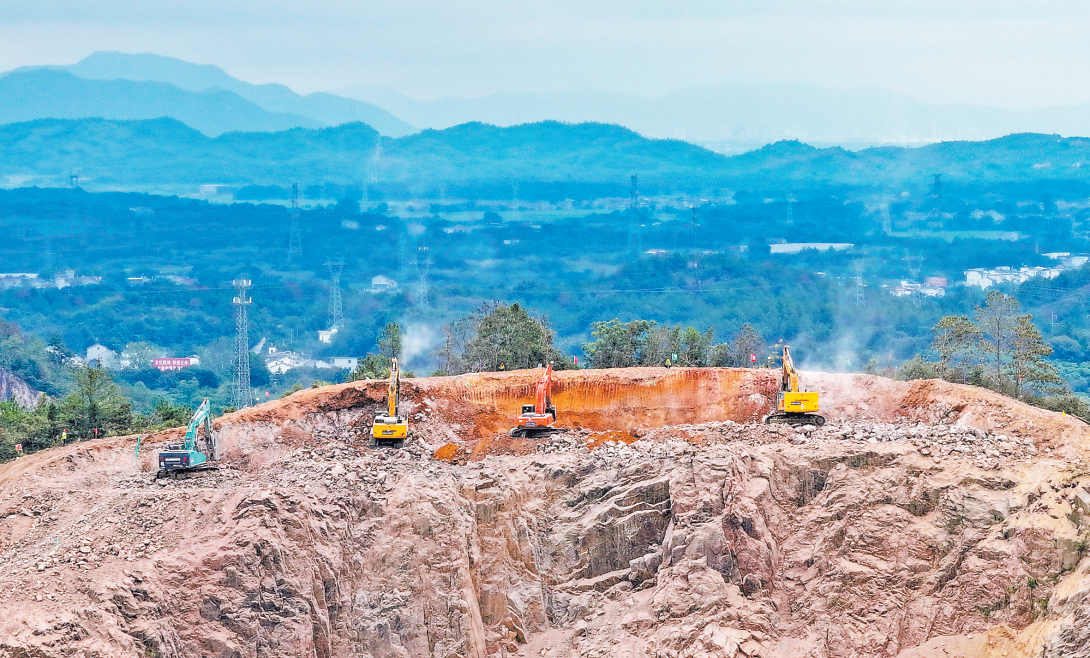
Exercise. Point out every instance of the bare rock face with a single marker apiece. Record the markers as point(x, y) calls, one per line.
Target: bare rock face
point(14, 388)
point(900, 529)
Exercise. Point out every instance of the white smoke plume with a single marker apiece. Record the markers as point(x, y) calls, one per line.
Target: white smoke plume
point(417, 342)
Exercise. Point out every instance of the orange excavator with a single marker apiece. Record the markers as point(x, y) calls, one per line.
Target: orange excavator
point(537, 419)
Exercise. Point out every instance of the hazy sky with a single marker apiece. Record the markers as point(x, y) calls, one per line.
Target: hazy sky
point(1017, 54)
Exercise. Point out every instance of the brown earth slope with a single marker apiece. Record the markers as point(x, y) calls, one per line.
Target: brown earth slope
point(925, 519)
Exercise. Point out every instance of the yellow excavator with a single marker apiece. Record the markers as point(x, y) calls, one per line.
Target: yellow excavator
point(794, 407)
point(391, 429)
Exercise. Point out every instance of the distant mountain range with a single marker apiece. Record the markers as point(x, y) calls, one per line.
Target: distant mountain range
point(737, 117)
point(112, 85)
point(729, 118)
point(166, 153)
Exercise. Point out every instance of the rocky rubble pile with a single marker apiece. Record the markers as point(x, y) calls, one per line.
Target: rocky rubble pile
point(989, 449)
point(868, 536)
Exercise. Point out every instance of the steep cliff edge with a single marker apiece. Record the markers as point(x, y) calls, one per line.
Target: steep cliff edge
point(14, 388)
point(925, 519)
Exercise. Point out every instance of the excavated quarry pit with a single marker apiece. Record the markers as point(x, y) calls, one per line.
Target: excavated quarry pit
point(924, 519)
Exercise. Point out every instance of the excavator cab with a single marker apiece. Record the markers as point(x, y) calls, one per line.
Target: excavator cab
point(802, 402)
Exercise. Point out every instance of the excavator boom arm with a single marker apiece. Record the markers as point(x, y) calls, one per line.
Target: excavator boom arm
point(203, 416)
point(544, 398)
point(393, 394)
point(789, 382)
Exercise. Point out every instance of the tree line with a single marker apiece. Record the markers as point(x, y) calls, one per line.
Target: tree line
point(1000, 349)
point(93, 408)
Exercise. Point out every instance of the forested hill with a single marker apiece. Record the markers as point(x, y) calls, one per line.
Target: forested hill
point(117, 154)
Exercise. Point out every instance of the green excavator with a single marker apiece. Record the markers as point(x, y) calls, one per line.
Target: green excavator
point(197, 452)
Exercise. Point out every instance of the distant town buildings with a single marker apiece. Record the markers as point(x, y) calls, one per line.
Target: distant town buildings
point(796, 247)
point(346, 362)
point(100, 355)
point(70, 278)
point(214, 189)
point(382, 284)
point(909, 288)
point(986, 278)
point(18, 279)
point(61, 280)
point(278, 362)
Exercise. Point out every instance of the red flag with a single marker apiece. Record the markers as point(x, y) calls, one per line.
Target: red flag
point(753, 358)
point(19, 447)
point(576, 359)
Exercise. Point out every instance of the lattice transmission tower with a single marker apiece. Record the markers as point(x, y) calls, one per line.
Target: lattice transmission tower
point(936, 201)
point(295, 242)
point(243, 397)
point(372, 174)
point(423, 264)
point(914, 264)
point(336, 312)
point(635, 235)
point(860, 298)
point(696, 238)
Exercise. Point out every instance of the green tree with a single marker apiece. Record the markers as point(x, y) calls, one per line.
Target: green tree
point(748, 341)
point(390, 342)
point(914, 368)
point(955, 340)
point(618, 344)
point(372, 366)
point(1028, 367)
point(260, 375)
point(695, 347)
point(22, 426)
point(95, 403)
point(508, 335)
point(167, 415)
point(662, 343)
point(141, 353)
point(451, 355)
point(59, 350)
point(997, 320)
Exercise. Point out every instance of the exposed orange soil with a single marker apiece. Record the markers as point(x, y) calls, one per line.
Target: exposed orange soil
point(926, 519)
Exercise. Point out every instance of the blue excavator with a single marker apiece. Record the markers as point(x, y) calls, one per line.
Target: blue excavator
point(198, 451)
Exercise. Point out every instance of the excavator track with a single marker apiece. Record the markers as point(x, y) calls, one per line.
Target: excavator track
point(183, 473)
point(795, 419)
point(536, 432)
